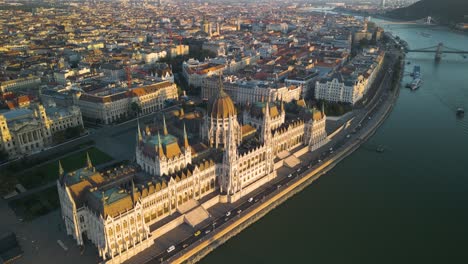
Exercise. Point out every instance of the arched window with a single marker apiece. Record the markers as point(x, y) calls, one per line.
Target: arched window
point(117, 228)
point(110, 232)
point(125, 225)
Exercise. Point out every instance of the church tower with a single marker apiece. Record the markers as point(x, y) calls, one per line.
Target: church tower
point(161, 154)
point(230, 183)
point(221, 111)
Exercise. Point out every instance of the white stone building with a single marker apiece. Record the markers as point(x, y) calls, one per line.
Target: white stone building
point(247, 91)
point(112, 105)
point(352, 82)
point(28, 130)
point(121, 208)
point(19, 84)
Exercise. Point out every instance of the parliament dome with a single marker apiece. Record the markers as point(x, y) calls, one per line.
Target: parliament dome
point(223, 106)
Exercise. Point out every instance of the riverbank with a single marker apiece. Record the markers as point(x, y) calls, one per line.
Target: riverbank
point(202, 248)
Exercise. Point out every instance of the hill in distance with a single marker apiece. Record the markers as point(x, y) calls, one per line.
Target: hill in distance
point(443, 11)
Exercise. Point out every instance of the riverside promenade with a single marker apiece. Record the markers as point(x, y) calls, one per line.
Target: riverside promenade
point(379, 111)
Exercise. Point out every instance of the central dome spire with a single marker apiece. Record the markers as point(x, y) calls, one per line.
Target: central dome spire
point(222, 106)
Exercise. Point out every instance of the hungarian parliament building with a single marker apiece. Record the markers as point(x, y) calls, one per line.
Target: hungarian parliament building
point(123, 209)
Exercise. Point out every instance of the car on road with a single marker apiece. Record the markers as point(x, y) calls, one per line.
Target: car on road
point(184, 245)
point(170, 249)
point(197, 233)
point(239, 211)
point(348, 136)
point(278, 186)
point(319, 161)
point(290, 175)
point(250, 199)
point(228, 213)
point(207, 231)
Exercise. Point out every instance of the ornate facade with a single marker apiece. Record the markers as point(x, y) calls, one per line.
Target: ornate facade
point(113, 105)
point(118, 208)
point(28, 130)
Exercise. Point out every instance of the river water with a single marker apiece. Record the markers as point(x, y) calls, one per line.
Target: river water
point(406, 205)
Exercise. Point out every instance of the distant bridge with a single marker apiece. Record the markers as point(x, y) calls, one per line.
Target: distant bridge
point(423, 21)
point(438, 50)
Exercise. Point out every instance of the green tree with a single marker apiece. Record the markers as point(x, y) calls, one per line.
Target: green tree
point(136, 108)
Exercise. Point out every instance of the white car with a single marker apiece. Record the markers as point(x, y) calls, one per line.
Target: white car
point(171, 248)
point(290, 175)
point(228, 213)
point(250, 199)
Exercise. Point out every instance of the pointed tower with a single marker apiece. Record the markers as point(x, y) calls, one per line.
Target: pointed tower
point(282, 104)
point(133, 192)
point(186, 144)
point(89, 164)
point(266, 126)
point(160, 149)
point(230, 157)
point(164, 125)
point(140, 137)
point(61, 172)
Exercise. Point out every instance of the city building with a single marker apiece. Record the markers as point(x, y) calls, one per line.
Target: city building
point(118, 209)
point(350, 83)
point(20, 84)
point(244, 91)
point(112, 105)
point(28, 130)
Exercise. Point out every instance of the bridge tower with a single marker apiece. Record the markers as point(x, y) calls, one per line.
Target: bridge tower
point(438, 54)
point(429, 20)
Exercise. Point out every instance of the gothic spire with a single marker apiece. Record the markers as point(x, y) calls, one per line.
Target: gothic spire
point(220, 85)
point(186, 144)
point(140, 137)
point(282, 104)
point(160, 149)
point(61, 171)
point(231, 146)
point(165, 126)
point(133, 192)
point(88, 161)
point(266, 131)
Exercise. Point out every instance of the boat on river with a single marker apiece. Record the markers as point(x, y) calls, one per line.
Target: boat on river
point(416, 83)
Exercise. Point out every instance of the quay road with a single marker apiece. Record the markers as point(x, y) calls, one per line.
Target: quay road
point(369, 117)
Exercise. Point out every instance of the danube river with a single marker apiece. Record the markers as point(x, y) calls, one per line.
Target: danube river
point(406, 205)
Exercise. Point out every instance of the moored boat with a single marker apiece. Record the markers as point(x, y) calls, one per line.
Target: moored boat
point(416, 83)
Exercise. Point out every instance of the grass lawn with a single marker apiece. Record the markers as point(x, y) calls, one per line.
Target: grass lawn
point(49, 172)
point(37, 204)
